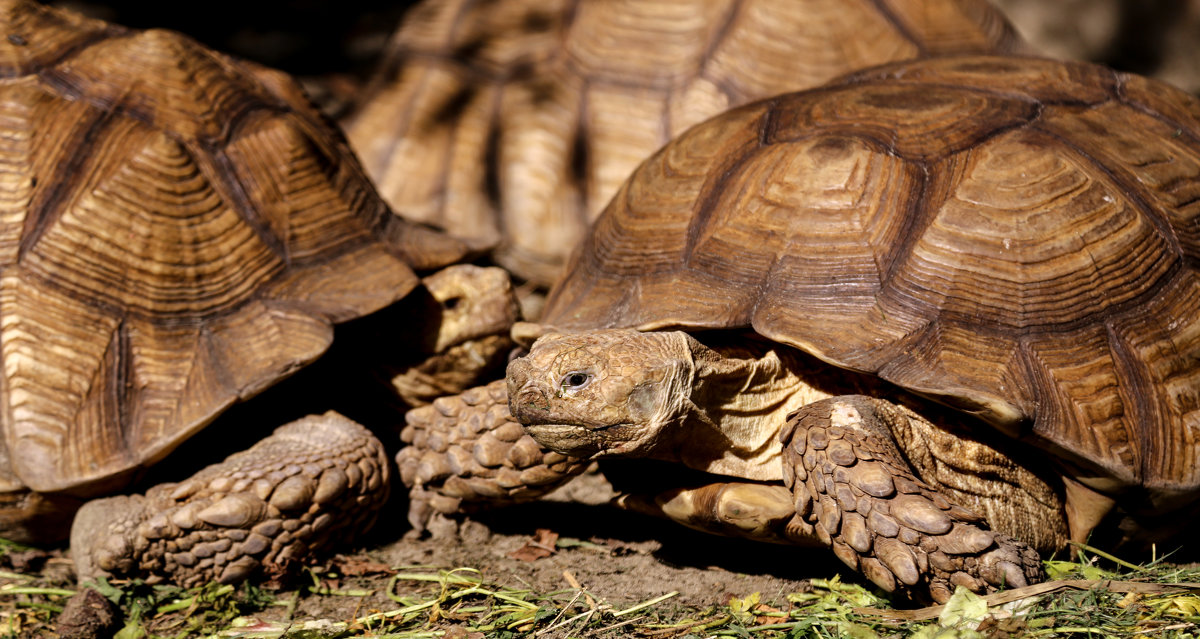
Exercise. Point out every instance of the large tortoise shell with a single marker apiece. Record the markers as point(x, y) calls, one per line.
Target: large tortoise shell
point(1019, 238)
point(178, 230)
point(514, 122)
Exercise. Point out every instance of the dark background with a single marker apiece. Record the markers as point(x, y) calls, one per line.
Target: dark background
point(333, 45)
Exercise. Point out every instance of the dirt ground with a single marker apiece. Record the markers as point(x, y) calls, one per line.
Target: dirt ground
point(629, 558)
point(604, 558)
point(552, 548)
point(620, 558)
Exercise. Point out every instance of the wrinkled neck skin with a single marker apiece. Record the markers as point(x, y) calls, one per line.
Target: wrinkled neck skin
point(741, 395)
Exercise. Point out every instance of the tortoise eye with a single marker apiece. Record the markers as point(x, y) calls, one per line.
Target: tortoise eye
point(574, 381)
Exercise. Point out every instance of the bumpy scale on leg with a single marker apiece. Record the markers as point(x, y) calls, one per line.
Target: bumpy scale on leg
point(312, 482)
point(466, 452)
point(852, 484)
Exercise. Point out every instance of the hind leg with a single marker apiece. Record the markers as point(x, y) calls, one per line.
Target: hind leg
point(313, 483)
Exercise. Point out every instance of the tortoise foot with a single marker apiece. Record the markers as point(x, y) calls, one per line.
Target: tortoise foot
point(313, 482)
point(763, 512)
point(466, 452)
point(475, 307)
point(863, 500)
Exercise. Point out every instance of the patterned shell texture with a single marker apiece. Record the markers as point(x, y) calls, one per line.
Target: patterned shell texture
point(177, 231)
point(1017, 237)
point(513, 123)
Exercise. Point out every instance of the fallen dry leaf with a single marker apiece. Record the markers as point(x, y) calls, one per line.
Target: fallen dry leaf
point(356, 566)
point(761, 618)
point(540, 547)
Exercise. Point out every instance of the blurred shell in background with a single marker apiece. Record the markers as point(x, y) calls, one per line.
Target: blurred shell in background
point(1158, 38)
point(511, 124)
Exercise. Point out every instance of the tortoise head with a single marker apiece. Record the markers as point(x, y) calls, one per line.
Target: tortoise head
point(604, 392)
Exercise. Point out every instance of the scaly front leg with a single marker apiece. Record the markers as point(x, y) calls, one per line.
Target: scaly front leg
point(465, 452)
point(852, 484)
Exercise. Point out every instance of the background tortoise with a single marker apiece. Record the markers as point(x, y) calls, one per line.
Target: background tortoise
point(180, 230)
point(1015, 238)
point(513, 123)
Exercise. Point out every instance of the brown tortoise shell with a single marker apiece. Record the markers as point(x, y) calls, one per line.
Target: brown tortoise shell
point(514, 122)
point(1019, 238)
point(178, 230)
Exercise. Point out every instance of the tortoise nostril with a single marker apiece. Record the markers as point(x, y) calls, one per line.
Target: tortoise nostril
point(529, 402)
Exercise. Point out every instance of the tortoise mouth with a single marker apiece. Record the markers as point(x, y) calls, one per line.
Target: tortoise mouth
point(576, 440)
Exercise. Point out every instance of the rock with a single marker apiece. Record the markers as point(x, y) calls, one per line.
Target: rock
point(88, 615)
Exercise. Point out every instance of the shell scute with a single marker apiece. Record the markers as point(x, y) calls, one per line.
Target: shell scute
point(914, 121)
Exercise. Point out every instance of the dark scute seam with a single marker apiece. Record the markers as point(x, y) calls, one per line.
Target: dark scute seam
point(224, 178)
point(716, 182)
point(902, 27)
point(732, 16)
point(918, 215)
point(492, 184)
point(64, 180)
point(1126, 184)
point(122, 381)
point(66, 53)
point(1138, 393)
point(251, 103)
point(1181, 130)
point(1037, 108)
point(580, 159)
point(1190, 135)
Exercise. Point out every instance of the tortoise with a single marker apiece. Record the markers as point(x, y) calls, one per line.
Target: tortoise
point(180, 231)
point(511, 124)
point(938, 316)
